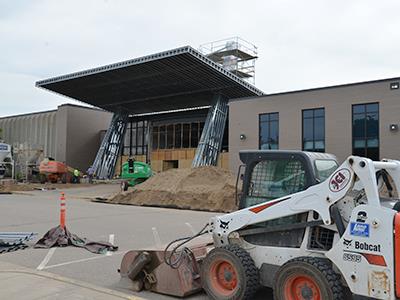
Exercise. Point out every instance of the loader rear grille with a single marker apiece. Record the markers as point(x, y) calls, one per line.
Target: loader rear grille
point(321, 238)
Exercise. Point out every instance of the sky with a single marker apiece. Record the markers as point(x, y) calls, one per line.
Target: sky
point(301, 44)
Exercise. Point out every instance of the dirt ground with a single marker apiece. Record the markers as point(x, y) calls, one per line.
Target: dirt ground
point(204, 188)
point(21, 187)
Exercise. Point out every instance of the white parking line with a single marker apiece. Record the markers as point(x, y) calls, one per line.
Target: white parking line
point(46, 259)
point(156, 236)
point(111, 239)
point(191, 228)
point(80, 260)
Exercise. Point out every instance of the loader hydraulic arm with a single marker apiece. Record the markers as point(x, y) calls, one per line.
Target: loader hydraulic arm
point(318, 198)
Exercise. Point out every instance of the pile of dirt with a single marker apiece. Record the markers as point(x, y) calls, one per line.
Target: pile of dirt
point(204, 188)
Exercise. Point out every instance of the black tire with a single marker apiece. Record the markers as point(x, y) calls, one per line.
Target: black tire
point(64, 178)
point(124, 186)
point(240, 276)
point(42, 178)
point(313, 275)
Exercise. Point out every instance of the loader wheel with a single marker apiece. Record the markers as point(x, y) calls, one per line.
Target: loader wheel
point(229, 273)
point(307, 278)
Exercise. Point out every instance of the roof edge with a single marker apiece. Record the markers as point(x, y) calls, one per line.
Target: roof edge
point(114, 66)
point(29, 114)
point(344, 85)
point(148, 58)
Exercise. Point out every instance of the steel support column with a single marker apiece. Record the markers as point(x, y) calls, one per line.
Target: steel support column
point(213, 132)
point(104, 164)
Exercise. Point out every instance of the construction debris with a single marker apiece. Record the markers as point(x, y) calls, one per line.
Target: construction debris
point(203, 188)
point(13, 241)
point(9, 187)
point(61, 237)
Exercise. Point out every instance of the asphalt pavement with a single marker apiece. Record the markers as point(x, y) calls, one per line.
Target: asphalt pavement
point(128, 227)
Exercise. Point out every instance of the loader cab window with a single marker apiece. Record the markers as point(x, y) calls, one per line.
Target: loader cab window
point(324, 168)
point(272, 179)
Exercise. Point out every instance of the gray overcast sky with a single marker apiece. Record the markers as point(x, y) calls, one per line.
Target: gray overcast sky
point(302, 44)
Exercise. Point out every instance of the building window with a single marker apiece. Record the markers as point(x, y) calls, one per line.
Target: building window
point(177, 136)
point(155, 138)
point(162, 137)
point(269, 131)
point(366, 130)
point(314, 130)
point(170, 136)
point(135, 142)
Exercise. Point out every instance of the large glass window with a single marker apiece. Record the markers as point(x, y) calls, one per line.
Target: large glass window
point(136, 140)
point(155, 138)
point(186, 136)
point(176, 136)
point(269, 131)
point(194, 135)
point(170, 136)
point(163, 136)
point(314, 130)
point(366, 130)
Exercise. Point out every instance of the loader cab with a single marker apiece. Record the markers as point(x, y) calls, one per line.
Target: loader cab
point(272, 174)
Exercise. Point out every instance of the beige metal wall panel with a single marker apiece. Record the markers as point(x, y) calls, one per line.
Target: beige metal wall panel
point(70, 134)
point(83, 127)
point(34, 131)
point(337, 101)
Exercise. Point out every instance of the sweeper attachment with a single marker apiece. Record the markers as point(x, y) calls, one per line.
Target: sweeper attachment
point(173, 271)
point(306, 228)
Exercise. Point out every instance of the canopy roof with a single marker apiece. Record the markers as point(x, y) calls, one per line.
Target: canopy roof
point(174, 79)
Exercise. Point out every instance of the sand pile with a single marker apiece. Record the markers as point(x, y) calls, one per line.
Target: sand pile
point(204, 188)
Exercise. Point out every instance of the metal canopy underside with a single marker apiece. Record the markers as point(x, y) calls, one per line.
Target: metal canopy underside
point(175, 79)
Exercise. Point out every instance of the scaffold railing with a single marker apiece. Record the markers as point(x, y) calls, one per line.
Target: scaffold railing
point(213, 132)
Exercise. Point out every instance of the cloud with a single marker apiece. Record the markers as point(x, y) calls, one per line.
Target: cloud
point(301, 44)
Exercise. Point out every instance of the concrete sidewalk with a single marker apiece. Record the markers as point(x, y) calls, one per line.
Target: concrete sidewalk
point(22, 283)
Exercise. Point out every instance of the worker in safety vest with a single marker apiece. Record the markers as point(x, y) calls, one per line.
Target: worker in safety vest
point(90, 173)
point(76, 176)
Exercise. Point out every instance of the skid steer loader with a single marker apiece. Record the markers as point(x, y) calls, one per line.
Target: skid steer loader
point(306, 227)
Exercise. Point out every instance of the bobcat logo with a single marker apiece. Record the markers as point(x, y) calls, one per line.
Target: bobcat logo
point(339, 180)
point(347, 243)
point(224, 225)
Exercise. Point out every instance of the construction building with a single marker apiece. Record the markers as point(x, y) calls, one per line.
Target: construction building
point(70, 134)
point(359, 118)
point(171, 109)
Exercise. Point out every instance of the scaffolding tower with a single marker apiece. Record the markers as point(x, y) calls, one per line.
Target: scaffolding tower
point(213, 132)
point(235, 55)
point(104, 164)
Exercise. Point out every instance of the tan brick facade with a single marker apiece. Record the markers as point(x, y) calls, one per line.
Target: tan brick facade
point(337, 101)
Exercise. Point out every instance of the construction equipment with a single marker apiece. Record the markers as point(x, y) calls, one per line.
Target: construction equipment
point(54, 171)
point(13, 241)
point(134, 172)
point(307, 228)
point(6, 160)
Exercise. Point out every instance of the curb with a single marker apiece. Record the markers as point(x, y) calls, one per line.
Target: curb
point(75, 282)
